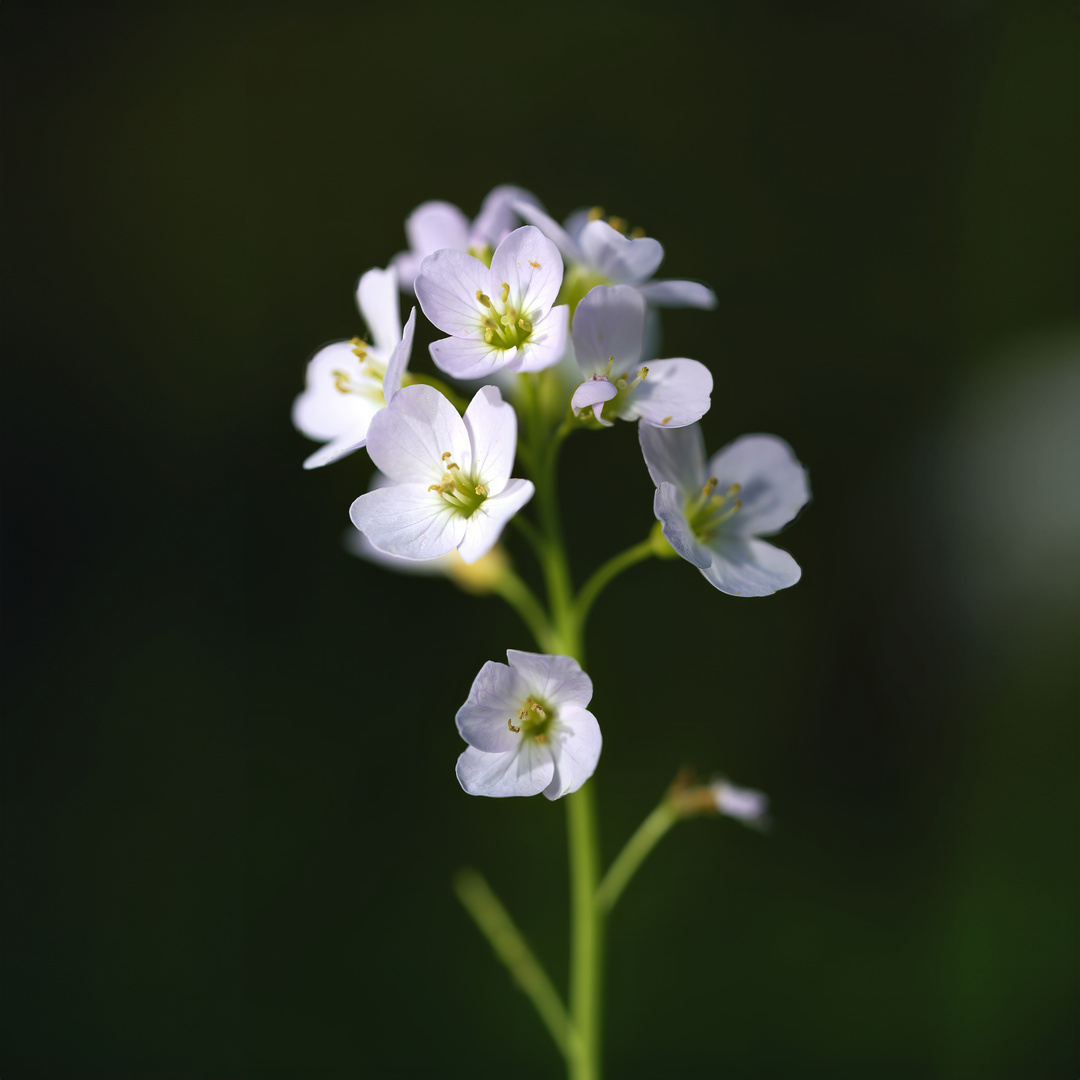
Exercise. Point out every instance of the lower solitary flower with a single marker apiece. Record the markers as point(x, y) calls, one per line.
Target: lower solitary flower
point(527, 728)
point(451, 485)
point(713, 515)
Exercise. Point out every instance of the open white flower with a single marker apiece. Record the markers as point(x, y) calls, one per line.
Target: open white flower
point(348, 382)
point(599, 252)
point(527, 728)
point(713, 515)
point(609, 325)
point(451, 485)
point(497, 317)
point(437, 224)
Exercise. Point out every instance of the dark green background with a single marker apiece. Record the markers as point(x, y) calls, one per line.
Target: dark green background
point(231, 818)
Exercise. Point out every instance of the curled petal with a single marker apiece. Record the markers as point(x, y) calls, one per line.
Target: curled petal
point(593, 393)
point(676, 456)
point(773, 484)
point(621, 261)
point(377, 298)
point(528, 771)
point(609, 323)
point(576, 750)
point(399, 359)
point(742, 567)
point(668, 508)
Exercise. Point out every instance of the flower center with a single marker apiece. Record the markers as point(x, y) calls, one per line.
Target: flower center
point(369, 382)
point(504, 326)
point(463, 493)
point(705, 513)
point(533, 720)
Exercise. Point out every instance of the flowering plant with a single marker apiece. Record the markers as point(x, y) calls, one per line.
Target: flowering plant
point(520, 299)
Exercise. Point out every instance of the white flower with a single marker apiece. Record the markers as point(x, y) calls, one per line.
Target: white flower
point(436, 224)
point(348, 382)
point(600, 253)
point(608, 329)
point(527, 728)
point(713, 515)
point(451, 475)
point(498, 317)
point(744, 804)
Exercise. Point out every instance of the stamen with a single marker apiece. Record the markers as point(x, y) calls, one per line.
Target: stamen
point(341, 381)
point(446, 455)
point(665, 420)
point(524, 324)
point(483, 298)
point(596, 213)
point(610, 363)
point(510, 725)
point(489, 335)
point(710, 487)
point(617, 223)
point(537, 709)
point(637, 232)
point(505, 292)
point(480, 489)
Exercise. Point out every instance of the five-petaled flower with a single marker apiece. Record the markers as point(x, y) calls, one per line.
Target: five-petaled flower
point(451, 485)
point(348, 382)
point(713, 515)
point(609, 325)
point(437, 224)
point(527, 728)
point(500, 316)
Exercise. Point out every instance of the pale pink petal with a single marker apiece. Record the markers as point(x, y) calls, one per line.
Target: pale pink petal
point(742, 567)
point(575, 748)
point(679, 294)
point(436, 224)
point(621, 261)
point(557, 680)
point(399, 359)
point(528, 771)
point(531, 265)
point(377, 298)
point(469, 358)
point(675, 455)
point(492, 427)
point(551, 229)
point(674, 394)
point(446, 288)
point(608, 323)
point(408, 520)
point(773, 484)
point(485, 525)
point(547, 344)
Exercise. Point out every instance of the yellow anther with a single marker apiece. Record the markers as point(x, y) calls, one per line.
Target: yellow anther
point(617, 223)
point(524, 324)
point(596, 213)
point(506, 320)
point(341, 381)
point(510, 725)
point(610, 362)
point(435, 487)
point(505, 292)
point(637, 232)
point(483, 298)
point(541, 738)
point(536, 709)
point(358, 341)
point(710, 487)
point(480, 489)
point(734, 489)
point(446, 455)
point(453, 465)
point(665, 420)
point(642, 373)
point(489, 335)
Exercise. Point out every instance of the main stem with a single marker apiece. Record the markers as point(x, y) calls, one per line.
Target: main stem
point(586, 933)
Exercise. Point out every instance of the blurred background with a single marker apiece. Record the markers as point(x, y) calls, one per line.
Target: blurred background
point(231, 819)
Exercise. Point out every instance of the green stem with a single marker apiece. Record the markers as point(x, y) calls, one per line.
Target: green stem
point(511, 948)
point(523, 600)
point(633, 854)
point(608, 572)
point(587, 931)
point(530, 532)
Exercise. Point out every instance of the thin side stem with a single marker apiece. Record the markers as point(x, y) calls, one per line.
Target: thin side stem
point(523, 600)
point(607, 573)
point(511, 948)
point(637, 848)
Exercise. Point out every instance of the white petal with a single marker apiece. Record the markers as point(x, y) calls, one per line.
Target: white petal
point(433, 225)
point(446, 288)
point(557, 680)
point(496, 696)
point(531, 265)
point(547, 344)
point(742, 567)
point(551, 229)
point(492, 427)
point(484, 527)
point(576, 220)
point(621, 261)
point(525, 772)
point(576, 750)
point(676, 455)
point(674, 394)
point(408, 438)
point(497, 215)
point(324, 412)
point(347, 444)
point(668, 508)
point(773, 485)
point(609, 322)
point(469, 358)
point(408, 520)
point(744, 804)
point(593, 392)
point(356, 543)
point(399, 359)
point(377, 298)
point(679, 294)
point(406, 264)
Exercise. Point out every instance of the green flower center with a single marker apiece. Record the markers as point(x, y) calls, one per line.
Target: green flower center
point(533, 720)
point(577, 281)
point(504, 326)
point(705, 513)
point(462, 491)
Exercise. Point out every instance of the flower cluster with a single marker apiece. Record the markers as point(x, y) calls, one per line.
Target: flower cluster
point(516, 297)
